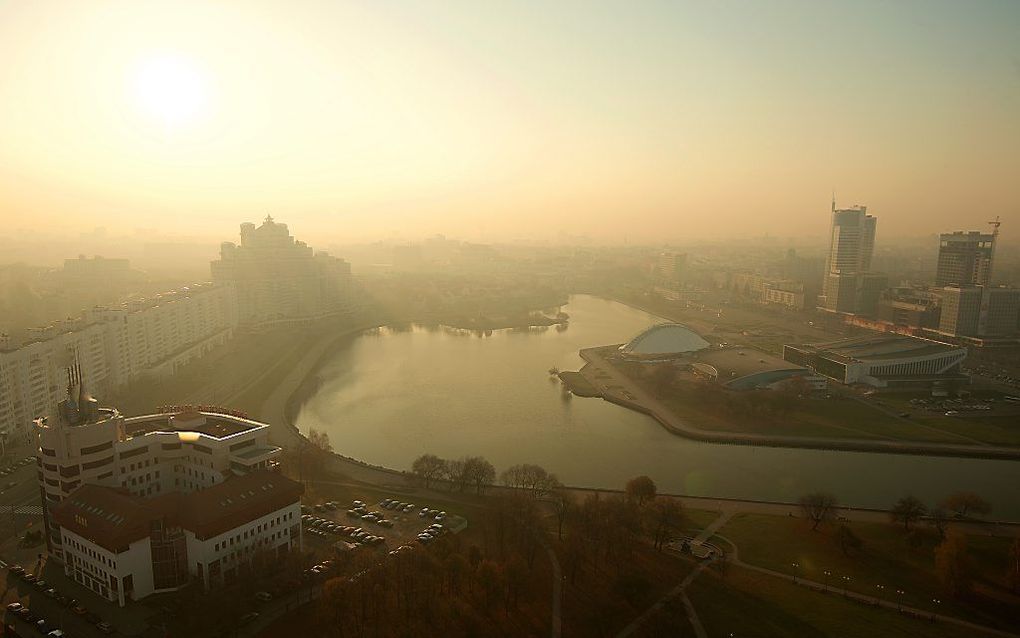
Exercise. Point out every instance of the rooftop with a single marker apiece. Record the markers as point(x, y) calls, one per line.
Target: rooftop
point(736, 362)
point(113, 518)
point(665, 339)
point(211, 424)
point(883, 346)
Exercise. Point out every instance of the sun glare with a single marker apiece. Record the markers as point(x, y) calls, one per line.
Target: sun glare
point(171, 89)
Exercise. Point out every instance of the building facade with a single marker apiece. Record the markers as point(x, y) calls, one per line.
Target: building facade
point(965, 259)
point(848, 285)
point(178, 451)
point(277, 279)
point(124, 547)
point(883, 360)
point(113, 347)
point(979, 311)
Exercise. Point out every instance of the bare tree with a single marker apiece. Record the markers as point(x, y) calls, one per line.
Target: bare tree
point(1013, 566)
point(848, 540)
point(908, 510)
point(641, 488)
point(952, 564)
point(428, 467)
point(479, 472)
point(818, 507)
point(666, 516)
point(964, 503)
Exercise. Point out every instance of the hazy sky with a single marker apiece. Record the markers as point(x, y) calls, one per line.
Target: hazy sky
point(646, 120)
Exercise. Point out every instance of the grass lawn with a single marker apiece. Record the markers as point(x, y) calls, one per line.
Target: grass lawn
point(834, 418)
point(887, 559)
point(746, 603)
point(699, 519)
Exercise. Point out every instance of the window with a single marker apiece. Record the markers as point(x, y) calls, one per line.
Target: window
point(99, 463)
point(92, 449)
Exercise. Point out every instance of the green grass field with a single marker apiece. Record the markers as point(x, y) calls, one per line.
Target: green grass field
point(745, 603)
point(887, 560)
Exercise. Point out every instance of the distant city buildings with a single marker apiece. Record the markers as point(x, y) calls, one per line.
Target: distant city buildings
point(849, 286)
point(277, 279)
point(670, 275)
point(139, 505)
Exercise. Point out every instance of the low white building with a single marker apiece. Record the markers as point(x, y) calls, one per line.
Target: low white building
point(124, 547)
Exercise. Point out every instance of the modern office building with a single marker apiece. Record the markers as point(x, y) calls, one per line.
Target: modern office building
point(124, 547)
point(979, 311)
point(848, 285)
point(277, 279)
point(114, 346)
point(177, 451)
point(965, 258)
point(883, 360)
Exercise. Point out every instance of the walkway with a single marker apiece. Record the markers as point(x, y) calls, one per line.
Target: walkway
point(557, 590)
point(870, 600)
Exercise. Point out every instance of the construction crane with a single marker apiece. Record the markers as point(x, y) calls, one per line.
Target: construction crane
point(995, 226)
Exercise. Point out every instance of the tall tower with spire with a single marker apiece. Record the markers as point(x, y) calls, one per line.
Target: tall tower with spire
point(848, 285)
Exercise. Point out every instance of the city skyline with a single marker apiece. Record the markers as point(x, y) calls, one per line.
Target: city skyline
point(683, 121)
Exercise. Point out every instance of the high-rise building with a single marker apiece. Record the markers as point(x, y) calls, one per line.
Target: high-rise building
point(965, 258)
point(276, 278)
point(980, 311)
point(849, 286)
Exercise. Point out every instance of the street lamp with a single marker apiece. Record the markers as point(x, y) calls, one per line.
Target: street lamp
point(935, 608)
point(899, 599)
point(796, 566)
point(846, 583)
point(827, 574)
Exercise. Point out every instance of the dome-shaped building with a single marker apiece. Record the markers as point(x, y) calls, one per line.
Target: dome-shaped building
point(664, 341)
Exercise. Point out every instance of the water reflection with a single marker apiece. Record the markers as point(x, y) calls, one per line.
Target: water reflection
point(455, 392)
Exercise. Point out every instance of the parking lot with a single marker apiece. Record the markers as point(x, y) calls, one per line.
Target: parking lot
point(391, 525)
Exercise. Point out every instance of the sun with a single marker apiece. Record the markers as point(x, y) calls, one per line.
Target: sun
point(171, 89)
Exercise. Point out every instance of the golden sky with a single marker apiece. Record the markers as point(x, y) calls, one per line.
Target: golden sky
point(653, 121)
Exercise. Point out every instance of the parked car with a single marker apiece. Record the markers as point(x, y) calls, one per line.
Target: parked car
point(248, 618)
point(105, 627)
point(14, 607)
point(263, 596)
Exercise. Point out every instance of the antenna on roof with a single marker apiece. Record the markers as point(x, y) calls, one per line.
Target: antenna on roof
point(834, 200)
point(995, 225)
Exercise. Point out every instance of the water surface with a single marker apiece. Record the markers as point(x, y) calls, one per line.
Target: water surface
point(391, 395)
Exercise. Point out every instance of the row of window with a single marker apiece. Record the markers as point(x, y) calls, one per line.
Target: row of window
point(255, 530)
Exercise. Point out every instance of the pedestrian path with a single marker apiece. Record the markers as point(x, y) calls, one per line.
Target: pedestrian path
point(712, 528)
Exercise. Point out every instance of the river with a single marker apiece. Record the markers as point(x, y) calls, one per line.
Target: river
point(391, 395)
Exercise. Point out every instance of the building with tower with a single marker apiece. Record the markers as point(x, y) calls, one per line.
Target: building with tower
point(848, 285)
point(139, 505)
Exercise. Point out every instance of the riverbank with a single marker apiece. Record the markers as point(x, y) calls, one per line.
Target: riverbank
point(615, 387)
point(283, 403)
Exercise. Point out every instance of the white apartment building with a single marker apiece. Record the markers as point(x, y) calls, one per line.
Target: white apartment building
point(124, 547)
point(113, 346)
point(177, 452)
